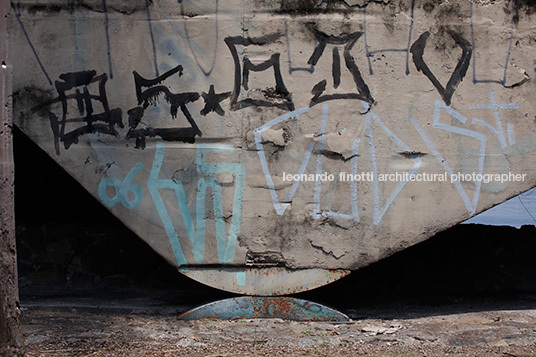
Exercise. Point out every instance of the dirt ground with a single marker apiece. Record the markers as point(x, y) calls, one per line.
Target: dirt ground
point(147, 325)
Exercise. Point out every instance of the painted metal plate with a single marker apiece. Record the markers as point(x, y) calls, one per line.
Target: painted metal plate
point(247, 307)
point(263, 281)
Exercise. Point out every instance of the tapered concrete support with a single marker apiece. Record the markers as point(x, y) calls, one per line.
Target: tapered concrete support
point(270, 148)
point(11, 341)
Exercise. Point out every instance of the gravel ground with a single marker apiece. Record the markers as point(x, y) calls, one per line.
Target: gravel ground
point(148, 326)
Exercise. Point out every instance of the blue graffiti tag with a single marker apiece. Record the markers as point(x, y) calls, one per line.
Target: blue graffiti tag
point(122, 189)
point(225, 249)
point(226, 245)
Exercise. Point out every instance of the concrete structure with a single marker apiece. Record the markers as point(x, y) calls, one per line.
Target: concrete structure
point(11, 340)
point(278, 140)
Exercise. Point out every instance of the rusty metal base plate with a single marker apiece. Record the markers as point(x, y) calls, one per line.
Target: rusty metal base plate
point(252, 307)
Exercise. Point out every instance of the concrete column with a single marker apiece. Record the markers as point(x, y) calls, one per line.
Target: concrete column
point(11, 340)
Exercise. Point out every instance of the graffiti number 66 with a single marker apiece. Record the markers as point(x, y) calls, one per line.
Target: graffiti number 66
point(122, 189)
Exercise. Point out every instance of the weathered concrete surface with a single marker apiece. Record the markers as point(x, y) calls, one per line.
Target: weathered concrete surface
point(201, 111)
point(11, 340)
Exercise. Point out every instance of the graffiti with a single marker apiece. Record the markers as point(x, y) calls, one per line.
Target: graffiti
point(150, 24)
point(226, 244)
point(498, 130)
point(18, 15)
point(277, 96)
point(122, 189)
point(104, 123)
point(338, 48)
point(348, 41)
point(176, 100)
point(379, 211)
point(208, 71)
point(503, 80)
point(183, 37)
point(371, 117)
point(335, 109)
point(291, 67)
point(107, 32)
point(471, 205)
point(241, 278)
point(318, 213)
point(213, 100)
point(417, 50)
point(148, 92)
point(280, 207)
point(226, 247)
point(370, 53)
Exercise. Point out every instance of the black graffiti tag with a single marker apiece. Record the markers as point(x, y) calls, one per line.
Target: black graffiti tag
point(150, 96)
point(274, 97)
point(363, 92)
point(213, 100)
point(417, 50)
point(75, 86)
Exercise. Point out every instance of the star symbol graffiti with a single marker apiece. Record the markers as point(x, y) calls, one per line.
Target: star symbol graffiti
point(213, 100)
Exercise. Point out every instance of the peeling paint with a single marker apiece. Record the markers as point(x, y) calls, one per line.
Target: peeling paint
point(341, 143)
point(327, 248)
point(275, 136)
point(263, 259)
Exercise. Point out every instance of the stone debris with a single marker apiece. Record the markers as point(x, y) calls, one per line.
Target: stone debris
point(378, 330)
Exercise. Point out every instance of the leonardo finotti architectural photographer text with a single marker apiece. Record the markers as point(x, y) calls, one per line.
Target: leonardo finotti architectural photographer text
point(370, 176)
